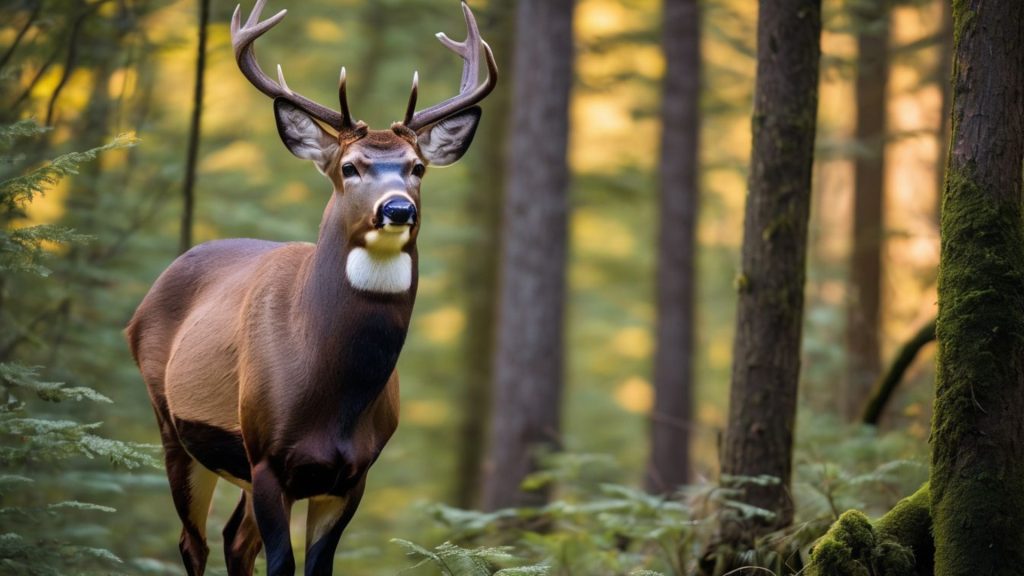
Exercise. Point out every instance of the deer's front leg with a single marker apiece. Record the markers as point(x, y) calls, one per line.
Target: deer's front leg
point(328, 517)
point(273, 511)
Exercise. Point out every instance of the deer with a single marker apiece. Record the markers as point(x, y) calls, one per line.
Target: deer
point(273, 365)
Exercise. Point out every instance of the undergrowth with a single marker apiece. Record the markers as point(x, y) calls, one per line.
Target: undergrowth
point(597, 528)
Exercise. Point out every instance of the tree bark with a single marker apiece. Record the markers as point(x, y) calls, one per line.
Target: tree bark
point(529, 367)
point(480, 267)
point(766, 351)
point(864, 308)
point(669, 465)
point(977, 472)
point(944, 73)
point(188, 189)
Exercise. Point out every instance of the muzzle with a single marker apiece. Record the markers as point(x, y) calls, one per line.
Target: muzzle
point(396, 210)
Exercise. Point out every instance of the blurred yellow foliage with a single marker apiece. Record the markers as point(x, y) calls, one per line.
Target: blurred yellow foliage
point(292, 192)
point(49, 207)
point(720, 353)
point(240, 155)
point(123, 83)
point(324, 31)
point(633, 342)
point(635, 395)
point(585, 276)
point(427, 413)
point(710, 415)
point(442, 326)
point(597, 234)
point(385, 502)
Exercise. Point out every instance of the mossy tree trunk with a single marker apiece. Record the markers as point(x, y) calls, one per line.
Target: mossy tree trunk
point(480, 264)
point(528, 371)
point(943, 74)
point(977, 472)
point(864, 307)
point(669, 466)
point(766, 351)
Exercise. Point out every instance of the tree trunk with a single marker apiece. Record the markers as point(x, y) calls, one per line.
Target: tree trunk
point(977, 473)
point(188, 188)
point(669, 466)
point(766, 351)
point(529, 368)
point(863, 314)
point(944, 73)
point(480, 267)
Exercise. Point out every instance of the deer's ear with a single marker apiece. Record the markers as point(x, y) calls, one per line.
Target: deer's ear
point(445, 141)
point(303, 136)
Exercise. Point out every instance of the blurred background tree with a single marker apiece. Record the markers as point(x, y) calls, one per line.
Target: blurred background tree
point(679, 203)
point(864, 306)
point(529, 372)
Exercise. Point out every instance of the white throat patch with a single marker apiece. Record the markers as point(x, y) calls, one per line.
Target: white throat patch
point(388, 273)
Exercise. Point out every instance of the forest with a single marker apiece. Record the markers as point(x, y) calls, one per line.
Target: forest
point(715, 287)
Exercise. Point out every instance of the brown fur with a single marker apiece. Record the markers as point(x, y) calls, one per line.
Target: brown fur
point(269, 341)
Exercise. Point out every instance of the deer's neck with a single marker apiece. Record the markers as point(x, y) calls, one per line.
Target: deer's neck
point(354, 336)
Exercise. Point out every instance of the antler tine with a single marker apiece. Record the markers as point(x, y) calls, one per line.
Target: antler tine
point(469, 92)
point(254, 16)
point(465, 48)
point(243, 39)
point(410, 110)
point(281, 82)
point(343, 98)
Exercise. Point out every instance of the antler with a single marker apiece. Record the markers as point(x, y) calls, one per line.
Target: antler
point(469, 92)
point(243, 38)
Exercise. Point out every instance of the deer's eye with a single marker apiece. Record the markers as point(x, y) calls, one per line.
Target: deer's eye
point(418, 170)
point(349, 170)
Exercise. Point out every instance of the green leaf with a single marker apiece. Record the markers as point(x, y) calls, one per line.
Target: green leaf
point(534, 570)
point(76, 505)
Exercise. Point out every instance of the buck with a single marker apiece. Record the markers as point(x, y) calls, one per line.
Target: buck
point(272, 365)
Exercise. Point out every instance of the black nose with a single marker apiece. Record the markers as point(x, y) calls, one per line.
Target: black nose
point(397, 211)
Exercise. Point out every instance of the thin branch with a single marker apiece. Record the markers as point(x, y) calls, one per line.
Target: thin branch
point(35, 80)
point(72, 58)
point(37, 6)
point(887, 384)
point(188, 192)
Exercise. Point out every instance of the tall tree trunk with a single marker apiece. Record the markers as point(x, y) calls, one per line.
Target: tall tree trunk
point(944, 74)
point(977, 473)
point(864, 308)
point(669, 466)
point(766, 351)
point(188, 189)
point(480, 267)
point(528, 371)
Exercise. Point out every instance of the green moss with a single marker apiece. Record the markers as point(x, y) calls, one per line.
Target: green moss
point(844, 550)
point(741, 283)
point(977, 475)
point(898, 544)
point(785, 223)
point(910, 524)
point(853, 529)
point(832, 558)
point(963, 20)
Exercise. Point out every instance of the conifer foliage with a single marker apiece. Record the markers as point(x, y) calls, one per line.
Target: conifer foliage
point(36, 436)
